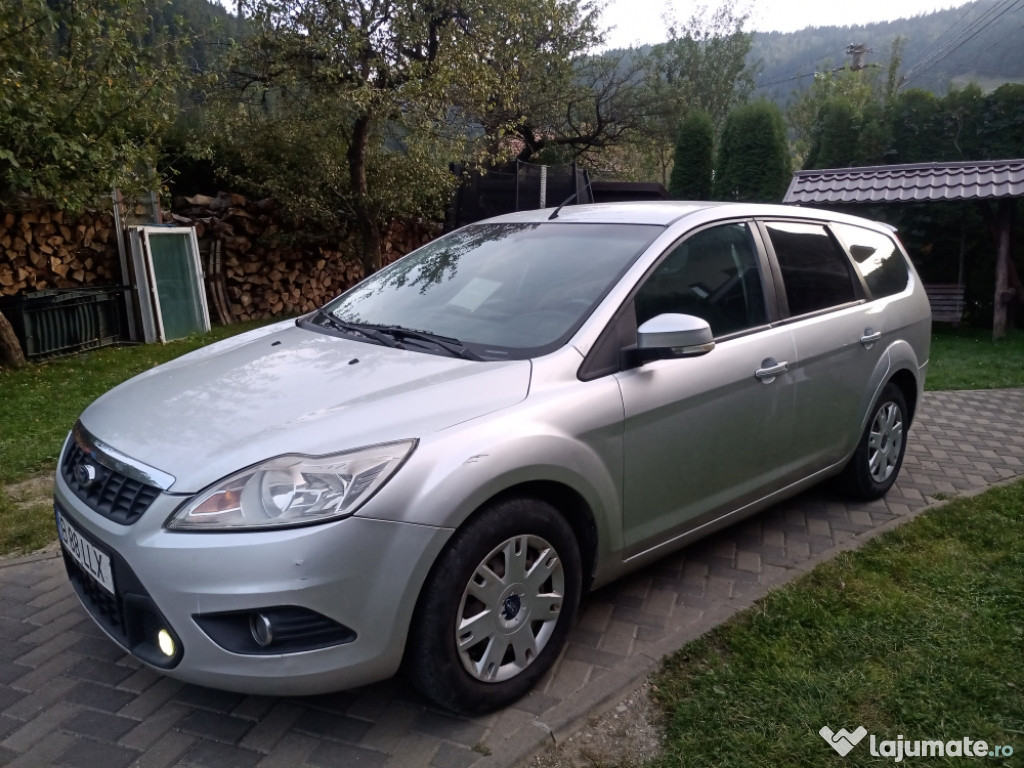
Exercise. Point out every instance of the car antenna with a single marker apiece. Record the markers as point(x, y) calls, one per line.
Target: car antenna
point(565, 202)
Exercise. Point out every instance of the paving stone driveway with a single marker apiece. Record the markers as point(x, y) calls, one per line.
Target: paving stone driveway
point(69, 697)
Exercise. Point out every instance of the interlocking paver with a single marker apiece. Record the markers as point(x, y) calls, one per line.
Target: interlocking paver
point(44, 752)
point(98, 697)
point(212, 725)
point(153, 728)
point(40, 701)
point(329, 754)
point(292, 750)
point(212, 754)
point(166, 751)
point(70, 697)
point(272, 727)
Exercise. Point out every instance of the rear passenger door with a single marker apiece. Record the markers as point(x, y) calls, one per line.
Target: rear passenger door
point(838, 334)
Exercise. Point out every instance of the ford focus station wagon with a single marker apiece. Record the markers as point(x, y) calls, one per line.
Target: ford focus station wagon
point(430, 471)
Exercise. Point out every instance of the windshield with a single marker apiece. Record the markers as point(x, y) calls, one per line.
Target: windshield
point(501, 290)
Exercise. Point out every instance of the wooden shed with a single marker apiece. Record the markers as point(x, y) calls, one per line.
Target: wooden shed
point(1001, 181)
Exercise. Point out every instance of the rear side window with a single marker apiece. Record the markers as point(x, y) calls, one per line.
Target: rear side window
point(815, 272)
point(878, 258)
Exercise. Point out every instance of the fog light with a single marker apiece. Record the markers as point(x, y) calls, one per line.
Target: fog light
point(166, 643)
point(262, 631)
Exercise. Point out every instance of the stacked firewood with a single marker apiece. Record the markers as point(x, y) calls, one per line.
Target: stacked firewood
point(256, 267)
point(255, 262)
point(43, 248)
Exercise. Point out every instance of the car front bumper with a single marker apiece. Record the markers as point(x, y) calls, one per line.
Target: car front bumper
point(361, 574)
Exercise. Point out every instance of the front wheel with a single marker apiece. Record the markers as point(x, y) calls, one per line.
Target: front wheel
point(496, 608)
point(876, 462)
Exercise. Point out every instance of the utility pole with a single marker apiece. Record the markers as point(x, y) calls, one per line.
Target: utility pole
point(857, 52)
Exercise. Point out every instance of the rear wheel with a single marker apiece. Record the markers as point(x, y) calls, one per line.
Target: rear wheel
point(496, 608)
point(876, 462)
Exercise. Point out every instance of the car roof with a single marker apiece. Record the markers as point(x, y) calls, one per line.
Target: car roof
point(666, 212)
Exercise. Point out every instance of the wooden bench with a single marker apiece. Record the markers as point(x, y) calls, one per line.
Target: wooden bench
point(947, 300)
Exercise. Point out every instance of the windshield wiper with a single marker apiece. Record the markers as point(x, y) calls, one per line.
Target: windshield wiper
point(394, 335)
point(453, 347)
point(358, 329)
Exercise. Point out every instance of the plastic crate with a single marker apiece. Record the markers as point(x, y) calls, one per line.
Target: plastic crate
point(60, 322)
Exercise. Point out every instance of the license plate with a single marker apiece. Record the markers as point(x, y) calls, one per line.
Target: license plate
point(93, 561)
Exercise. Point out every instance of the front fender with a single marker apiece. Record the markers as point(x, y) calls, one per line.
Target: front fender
point(454, 472)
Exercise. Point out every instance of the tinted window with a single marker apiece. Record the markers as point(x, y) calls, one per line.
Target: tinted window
point(878, 259)
point(815, 271)
point(712, 275)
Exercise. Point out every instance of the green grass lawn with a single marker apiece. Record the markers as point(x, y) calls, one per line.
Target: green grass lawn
point(967, 358)
point(24, 527)
point(918, 635)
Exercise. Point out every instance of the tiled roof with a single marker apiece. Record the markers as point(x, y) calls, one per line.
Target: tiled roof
point(909, 183)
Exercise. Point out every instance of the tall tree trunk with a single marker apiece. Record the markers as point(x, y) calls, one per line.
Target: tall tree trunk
point(367, 223)
point(10, 350)
point(1004, 294)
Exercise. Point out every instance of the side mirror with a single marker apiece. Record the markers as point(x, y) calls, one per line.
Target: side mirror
point(670, 336)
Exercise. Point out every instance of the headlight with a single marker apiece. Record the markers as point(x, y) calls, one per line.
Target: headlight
point(293, 490)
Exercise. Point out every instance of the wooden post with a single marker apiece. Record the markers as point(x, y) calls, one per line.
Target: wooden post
point(1003, 295)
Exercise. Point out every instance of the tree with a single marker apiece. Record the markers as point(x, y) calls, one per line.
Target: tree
point(548, 96)
point(834, 140)
point(694, 158)
point(86, 90)
point(311, 106)
point(355, 108)
point(703, 65)
point(1002, 122)
point(753, 155)
point(842, 119)
point(917, 127)
point(600, 106)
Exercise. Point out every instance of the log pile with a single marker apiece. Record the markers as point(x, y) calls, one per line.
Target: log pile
point(256, 267)
point(257, 264)
point(43, 248)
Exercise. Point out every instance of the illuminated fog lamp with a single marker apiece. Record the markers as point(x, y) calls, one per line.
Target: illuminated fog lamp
point(166, 643)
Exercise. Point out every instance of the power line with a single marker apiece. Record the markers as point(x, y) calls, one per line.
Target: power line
point(973, 29)
point(940, 51)
point(786, 80)
point(935, 43)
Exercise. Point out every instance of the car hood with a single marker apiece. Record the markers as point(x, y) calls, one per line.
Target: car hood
point(290, 390)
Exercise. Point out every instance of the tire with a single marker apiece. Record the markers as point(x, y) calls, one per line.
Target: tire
point(873, 468)
point(496, 608)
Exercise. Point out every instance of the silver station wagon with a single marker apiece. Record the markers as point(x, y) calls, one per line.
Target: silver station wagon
point(429, 472)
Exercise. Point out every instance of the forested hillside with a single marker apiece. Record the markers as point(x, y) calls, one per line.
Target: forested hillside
point(976, 42)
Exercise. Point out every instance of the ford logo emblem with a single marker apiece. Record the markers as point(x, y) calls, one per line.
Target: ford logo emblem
point(85, 474)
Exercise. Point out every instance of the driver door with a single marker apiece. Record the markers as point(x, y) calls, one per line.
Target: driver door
point(706, 435)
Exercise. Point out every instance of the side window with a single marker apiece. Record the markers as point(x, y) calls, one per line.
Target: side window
point(712, 275)
point(878, 259)
point(815, 271)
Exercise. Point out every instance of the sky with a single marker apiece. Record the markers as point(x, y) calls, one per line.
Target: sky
point(640, 21)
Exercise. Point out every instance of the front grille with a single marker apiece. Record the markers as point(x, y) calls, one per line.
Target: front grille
point(111, 494)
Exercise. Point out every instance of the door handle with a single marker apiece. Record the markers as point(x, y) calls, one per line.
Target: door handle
point(870, 337)
point(770, 369)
